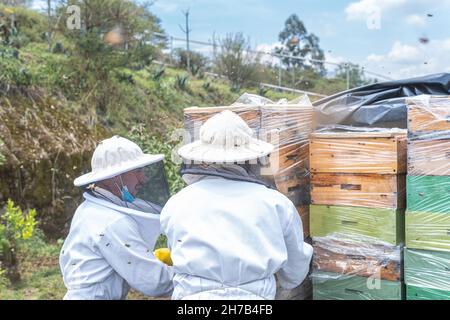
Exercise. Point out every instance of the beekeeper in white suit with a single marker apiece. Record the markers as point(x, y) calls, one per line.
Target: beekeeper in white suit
point(113, 232)
point(229, 232)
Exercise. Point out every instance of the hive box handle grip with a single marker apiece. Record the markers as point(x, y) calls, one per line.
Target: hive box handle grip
point(348, 186)
point(353, 291)
point(348, 222)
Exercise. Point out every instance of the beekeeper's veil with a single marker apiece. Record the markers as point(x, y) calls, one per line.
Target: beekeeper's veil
point(124, 175)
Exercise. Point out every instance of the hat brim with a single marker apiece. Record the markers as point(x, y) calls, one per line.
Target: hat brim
point(92, 177)
point(201, 152)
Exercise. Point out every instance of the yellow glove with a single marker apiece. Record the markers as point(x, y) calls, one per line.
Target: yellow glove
point(163, 255)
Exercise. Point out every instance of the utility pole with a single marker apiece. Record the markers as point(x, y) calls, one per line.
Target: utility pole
point(347, 71)
point(187, 31)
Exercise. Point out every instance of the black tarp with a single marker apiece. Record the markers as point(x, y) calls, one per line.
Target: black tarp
point(377, 105)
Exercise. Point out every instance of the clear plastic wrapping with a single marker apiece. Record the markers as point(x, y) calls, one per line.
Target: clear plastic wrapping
point(356, 268)
point(383, 224)
point(428, 180)
point(427, 274)
point(362, 168)
point(357, 255)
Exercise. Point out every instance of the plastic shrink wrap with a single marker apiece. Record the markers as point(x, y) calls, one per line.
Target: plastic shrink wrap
point(285, 124)
point(427, 257)
point(356, 268)
point(357, 212)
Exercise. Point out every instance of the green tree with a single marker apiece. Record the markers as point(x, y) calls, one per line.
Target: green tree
point(235, 60)
point(196, 59)
point(298, 42)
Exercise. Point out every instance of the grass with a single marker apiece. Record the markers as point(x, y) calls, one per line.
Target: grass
point(41, 277)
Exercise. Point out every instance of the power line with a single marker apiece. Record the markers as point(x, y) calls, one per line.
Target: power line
point(277, 55)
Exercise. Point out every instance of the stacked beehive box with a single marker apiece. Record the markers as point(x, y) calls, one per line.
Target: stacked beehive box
point(288, 128)
point(357, 213)
point(427, 256)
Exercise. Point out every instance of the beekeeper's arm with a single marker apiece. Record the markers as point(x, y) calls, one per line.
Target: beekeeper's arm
point(122, 246)
point(296, 268)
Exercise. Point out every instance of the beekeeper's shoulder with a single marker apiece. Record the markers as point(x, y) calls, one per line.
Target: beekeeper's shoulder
point(103, 218)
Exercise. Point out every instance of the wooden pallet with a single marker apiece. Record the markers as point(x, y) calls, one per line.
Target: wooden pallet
point(428, 231)
point(358, 152)
point(429, 157)
point(423, 293)
point(360, 190)
point(332, 286)
point(357, 258)
point(428, 116)
point(424, 268)
point(428, 193)
point(382, 224)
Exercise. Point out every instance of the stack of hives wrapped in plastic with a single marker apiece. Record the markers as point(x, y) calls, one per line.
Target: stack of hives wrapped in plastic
point(287, 125)
point(427, 257)
point(357, 192)
point(355, 267)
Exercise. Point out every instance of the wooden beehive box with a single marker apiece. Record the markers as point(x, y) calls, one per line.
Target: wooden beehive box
point(288, 157)
point(427, 231)
point(428, 114)
point(428, 194)
point(361, 258)
point(333, 286)
point(295, 185)
point(430, 269)
point(285, 124)
point(386, 225)
point(424, 293)
point(361, 190)
point(194, 117)
point(358, 152)
point(429, 157)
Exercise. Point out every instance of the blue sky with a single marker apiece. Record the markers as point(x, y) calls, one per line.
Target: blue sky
point(348, 30)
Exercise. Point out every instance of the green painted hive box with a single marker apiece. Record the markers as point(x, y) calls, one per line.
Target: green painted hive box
point(428, 193)
point(427, 269)
point(333, 286)
point(422, 293)
point(428, 231)
point(383, 224)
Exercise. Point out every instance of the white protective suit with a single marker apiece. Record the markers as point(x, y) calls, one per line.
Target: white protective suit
point(228, 239)
point(110, 248)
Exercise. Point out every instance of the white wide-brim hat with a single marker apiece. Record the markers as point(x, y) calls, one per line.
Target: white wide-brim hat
point(225, 138)
point(115, 156)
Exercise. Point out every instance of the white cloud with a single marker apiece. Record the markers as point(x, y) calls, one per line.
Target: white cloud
point(166, 6)
point(416, 20)
point(412, 60)
point(362, 9)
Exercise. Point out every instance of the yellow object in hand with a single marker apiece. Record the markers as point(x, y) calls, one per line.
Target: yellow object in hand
point(163, 255)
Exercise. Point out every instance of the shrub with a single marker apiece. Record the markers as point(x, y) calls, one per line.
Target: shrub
point(15, 226)
point(181, 82)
